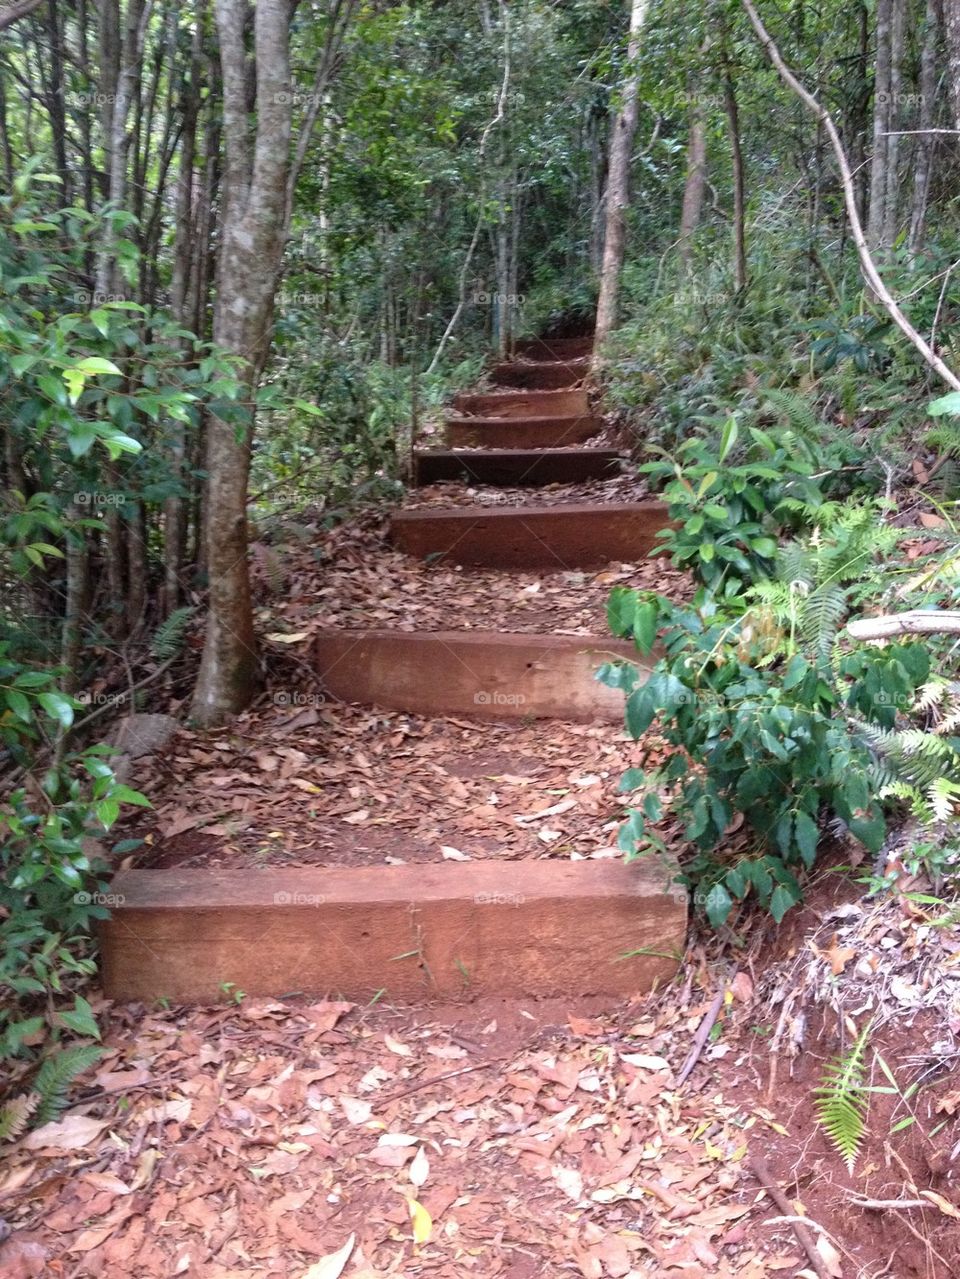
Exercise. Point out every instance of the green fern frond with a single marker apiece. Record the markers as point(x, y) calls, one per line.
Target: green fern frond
point(15, 1115)
point(931, 694)
point(842, 1100)
point(168, 637)
point(942, 797)
point(797, 412)
point(55, 1076)
point(821, 615)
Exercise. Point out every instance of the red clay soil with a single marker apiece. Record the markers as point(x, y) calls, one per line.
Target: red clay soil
point(541, 1139)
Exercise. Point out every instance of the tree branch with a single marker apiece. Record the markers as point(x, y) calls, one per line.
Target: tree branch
point(14, 12)
point(915, 621)
point(868, 267)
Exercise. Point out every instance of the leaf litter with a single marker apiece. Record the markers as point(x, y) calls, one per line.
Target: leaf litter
point(295, 1140)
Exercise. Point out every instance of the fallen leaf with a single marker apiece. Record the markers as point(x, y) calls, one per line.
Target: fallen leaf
point(73, 1132)
point(830, 1257)
point(395, 1046)
point(453, 854)
point(945, 1206)
point(331, 1266)
point(421, 1220)
point(420, 1168)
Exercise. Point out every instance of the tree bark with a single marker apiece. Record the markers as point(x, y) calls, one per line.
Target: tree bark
point(618, 182)
point(739, 196)
point(951, 30)
point(923, 162)
point(694, 186)
point(184, 252)
point(255, 187)
point(882, 104)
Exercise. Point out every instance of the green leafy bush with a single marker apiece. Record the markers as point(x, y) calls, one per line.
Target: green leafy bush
point(51, 892)
point(731, 502)
point(766, 713)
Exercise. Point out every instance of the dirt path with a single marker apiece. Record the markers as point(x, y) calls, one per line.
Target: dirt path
point(518, 1139)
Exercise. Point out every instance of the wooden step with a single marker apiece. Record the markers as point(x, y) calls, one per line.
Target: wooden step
point(542, 376)
point(568, 536)
point(447, 930)
point(519, 433)
point(523, 404)
point(553, 348)
point(509, 467)
point(486, 673)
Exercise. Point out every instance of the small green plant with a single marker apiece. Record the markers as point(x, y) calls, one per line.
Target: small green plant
point(768, 713)
point(232, 993)
point(728, 515)
point(51, 894)
point(842, 1100)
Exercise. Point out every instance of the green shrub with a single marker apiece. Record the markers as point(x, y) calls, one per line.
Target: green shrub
point(767, 713)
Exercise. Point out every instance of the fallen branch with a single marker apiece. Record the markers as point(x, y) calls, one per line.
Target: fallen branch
point(800, 1228)
point(436, 1079)
point(916, 621)
point(700, 1038)
point(889, 1203)
point(867, 264)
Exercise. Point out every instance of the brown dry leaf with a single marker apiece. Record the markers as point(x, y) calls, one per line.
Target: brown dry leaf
point(838, 957)
point(331, 1266)
point(395, 1046)
point(946, 1207)
point(830, 1256)
point(73, 1132)
point(742, 987)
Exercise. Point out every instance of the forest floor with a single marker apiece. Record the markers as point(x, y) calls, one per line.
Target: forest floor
point(297, 1139)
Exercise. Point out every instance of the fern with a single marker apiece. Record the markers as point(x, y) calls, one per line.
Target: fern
point(797, 412)
point(842, 1100)
point(168, 637)
point(55, 1076)
point(15, 1115)
point(821, 615)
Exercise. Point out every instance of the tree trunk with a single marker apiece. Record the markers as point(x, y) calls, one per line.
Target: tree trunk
point(618, 181)
point(923, 162)
point(255, 186)
point(694, 186)
point(117, 140)
point(891, 200)
point(881, 124)
point(739, 199)
point(175, 509)
point(951, 29)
